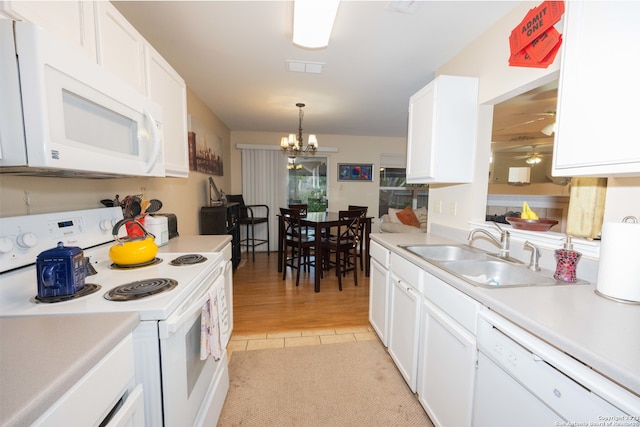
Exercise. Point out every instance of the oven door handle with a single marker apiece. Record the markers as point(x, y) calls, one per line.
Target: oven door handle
point(188, 311)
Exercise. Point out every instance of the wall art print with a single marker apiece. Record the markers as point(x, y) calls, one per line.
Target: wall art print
point(355, 172)
point(205, 151)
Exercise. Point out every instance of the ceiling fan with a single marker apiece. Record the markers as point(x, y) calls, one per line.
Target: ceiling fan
point(542, 116)
point(532, 158)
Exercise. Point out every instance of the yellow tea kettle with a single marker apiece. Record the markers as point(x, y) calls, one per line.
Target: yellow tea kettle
point(135, 248)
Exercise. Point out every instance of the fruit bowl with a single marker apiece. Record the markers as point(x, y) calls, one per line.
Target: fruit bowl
point(542, 224)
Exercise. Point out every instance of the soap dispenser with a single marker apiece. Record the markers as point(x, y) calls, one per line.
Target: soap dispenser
point(567, 260)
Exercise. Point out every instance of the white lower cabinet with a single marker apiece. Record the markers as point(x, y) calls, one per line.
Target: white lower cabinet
point(431, 338)
point(404, 317)
point(446, 368)
point(379, 291)
point(448, 354)
point(107, 395)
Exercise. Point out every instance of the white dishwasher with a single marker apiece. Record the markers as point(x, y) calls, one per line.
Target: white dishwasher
point(524, 381)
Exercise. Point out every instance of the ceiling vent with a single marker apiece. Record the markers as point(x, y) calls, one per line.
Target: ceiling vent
point(305, 67)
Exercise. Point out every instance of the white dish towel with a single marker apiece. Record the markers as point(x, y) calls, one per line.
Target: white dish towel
point(210, 328)
point(223, 317)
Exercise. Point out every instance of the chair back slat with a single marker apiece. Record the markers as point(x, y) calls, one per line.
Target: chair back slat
point(349, 226)
point(302, 207)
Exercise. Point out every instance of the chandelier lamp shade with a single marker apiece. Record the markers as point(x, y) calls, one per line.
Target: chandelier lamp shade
point(293, 145)
point(313, 22)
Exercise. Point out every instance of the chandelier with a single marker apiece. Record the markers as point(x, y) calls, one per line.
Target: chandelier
point(293, 145)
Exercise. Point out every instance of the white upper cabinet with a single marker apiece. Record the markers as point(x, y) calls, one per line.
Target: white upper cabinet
point(442, 131)
point(72, 20)
point(100, 30)
point(120, 46)
point(598, 92)
point(167, 88)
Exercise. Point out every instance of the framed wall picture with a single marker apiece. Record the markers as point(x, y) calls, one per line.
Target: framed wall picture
point(355, 172)
point(205, 150)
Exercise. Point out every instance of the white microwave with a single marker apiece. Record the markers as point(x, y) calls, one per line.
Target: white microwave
point(62, 114)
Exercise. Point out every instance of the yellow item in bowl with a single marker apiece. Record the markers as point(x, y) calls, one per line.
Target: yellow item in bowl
point(527, 213)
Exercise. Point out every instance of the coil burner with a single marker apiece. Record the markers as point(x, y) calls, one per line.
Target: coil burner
point(188, 259)
point(140, 289)
point(87, 289)
point(154, 261)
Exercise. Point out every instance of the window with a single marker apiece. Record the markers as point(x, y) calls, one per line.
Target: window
point(307, 182)
point(396, 193)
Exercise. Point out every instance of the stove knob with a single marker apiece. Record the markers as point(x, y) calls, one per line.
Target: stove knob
point(107, 224)
point(27, 240)
point(6, 245)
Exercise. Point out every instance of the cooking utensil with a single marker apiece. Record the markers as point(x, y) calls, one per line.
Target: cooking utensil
point(107, 202)
point(132, 249)
point(136, 208)
point(154, 206)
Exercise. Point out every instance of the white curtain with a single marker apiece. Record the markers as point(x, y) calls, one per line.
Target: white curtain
point(264, 182)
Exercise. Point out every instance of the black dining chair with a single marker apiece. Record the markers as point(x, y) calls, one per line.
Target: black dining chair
point(304, 209)
point(250, 216)
point(363, 210)
point(298, 246)
point(343, 246)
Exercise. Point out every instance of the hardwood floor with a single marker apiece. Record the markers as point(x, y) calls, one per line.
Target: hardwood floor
point(264, 303)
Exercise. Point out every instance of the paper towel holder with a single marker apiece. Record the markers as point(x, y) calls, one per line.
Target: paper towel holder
point(627, 287)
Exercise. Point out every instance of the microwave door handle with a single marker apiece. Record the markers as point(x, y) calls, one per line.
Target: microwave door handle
point(155, 136)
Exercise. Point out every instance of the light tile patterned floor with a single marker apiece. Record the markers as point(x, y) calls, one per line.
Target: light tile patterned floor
point(298, 338)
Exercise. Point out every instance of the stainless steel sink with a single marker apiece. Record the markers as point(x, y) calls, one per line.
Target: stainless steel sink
point(442, 253)
point(493, 274)
point(481, 268)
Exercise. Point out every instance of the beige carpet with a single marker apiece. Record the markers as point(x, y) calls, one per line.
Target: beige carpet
point(345, 384)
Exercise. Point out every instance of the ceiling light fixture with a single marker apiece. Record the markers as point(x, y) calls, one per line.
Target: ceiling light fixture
point(534, 159)
point(293, 145)
point(313, 22)
point(551, 127)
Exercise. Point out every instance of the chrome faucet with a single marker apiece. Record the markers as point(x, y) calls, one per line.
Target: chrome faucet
point(503, 243)
point(535, 256)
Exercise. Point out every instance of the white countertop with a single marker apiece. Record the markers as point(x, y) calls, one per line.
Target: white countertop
point(198, 243)
point(598, 332)
point(44, 356)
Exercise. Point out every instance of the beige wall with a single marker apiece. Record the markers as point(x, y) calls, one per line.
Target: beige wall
point(184, 197)
point(351, 149)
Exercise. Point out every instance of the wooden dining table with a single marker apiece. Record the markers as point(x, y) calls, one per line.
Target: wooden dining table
point(321, 221)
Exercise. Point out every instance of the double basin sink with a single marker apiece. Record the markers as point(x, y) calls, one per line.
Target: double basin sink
point(481, 268)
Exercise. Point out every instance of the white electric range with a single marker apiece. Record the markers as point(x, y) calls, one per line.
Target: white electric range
point(179, 388)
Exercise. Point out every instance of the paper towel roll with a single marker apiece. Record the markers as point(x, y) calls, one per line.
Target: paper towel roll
point(619, 266)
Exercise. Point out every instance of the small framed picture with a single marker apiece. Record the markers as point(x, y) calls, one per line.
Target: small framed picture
point(355, 172)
